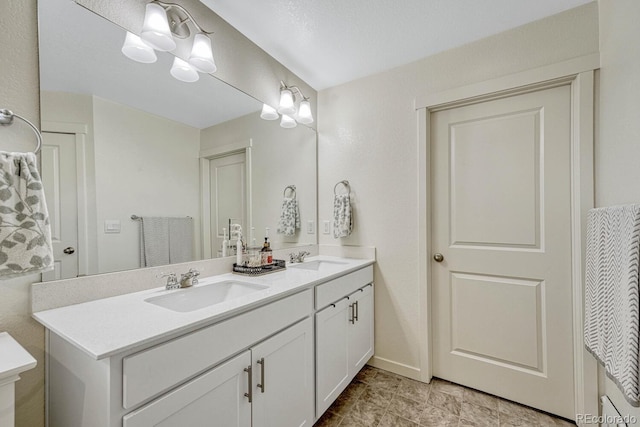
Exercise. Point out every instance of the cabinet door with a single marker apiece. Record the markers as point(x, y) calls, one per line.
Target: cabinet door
point(283, 378)
point(215, 398)
point(360, 328)
point(332, 360)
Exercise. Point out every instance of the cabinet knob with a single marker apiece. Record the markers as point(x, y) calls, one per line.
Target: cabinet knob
point(438, 257)
point(69, 250)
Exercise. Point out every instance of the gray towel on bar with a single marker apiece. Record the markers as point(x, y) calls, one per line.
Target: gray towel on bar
point(289, 217)
point(612, 294)
point(154, 241)
point(342, 216)
point(180, 240)
point(25, 233)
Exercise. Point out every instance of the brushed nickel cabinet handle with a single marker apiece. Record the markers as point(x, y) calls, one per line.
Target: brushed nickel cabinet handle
point(352, 319)
point(261, 363)
point(355, 316)
point(249, 395)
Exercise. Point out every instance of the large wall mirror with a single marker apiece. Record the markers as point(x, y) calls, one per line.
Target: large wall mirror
point(126, 139)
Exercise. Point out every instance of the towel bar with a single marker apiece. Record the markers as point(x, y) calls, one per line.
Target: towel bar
point(289, 187)
point(6, 118)
point(343, 182)
point(136, 217)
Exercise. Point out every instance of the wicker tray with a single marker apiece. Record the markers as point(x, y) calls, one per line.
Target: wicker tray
point(277, 265)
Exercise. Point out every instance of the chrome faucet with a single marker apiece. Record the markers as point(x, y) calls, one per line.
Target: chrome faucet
point(298, 257)
point(172, 280)
point(189, 278)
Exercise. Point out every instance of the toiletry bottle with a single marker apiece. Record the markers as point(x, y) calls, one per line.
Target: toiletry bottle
point(225, 243)
point(268, 249)
point(263, 252)
point(239, 248)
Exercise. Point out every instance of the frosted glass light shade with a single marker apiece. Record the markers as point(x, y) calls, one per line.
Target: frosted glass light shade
point(304, 112)
point(269, 113)
point(201, 55)
point(155, 29)
point(137, 49)
point(183, 71)
point(286, 105)
point(287, 122)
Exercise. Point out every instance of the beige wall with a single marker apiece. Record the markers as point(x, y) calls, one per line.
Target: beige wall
point(145, 165)
point(19, 91)
point(618, 144)
point(279, 157)
point(368, 135)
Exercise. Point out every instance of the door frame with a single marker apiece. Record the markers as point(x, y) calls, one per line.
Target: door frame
point(579, 74)
point(85, 170)
point(243, 146)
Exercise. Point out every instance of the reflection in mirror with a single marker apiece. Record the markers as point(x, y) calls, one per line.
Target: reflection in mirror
point(124, 138)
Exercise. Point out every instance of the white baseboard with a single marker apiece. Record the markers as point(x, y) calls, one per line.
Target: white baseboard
point(395, 367)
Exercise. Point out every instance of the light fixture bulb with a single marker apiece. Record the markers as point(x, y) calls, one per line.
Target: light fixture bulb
point(286, 105)
point(137, 49)
point(183, 71)
point(155, 29)
point(269, 113)
point(201, 55)
point(287, 122)
point(304, 112)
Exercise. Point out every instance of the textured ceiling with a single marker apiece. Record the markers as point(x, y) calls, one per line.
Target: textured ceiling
point(329, 42)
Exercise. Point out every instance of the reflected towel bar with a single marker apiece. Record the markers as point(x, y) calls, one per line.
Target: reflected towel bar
point(136, 217)
point(343, 182)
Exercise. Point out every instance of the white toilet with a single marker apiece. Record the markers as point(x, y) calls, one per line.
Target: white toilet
point(13, 361)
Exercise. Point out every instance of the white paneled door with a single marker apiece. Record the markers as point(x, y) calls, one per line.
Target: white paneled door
point(501, 248)
point(228, 199)
point(59, 179)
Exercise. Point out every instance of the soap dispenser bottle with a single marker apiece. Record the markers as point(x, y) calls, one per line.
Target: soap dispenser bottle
point(267, 254)
point(225, 243)
point(239, 248)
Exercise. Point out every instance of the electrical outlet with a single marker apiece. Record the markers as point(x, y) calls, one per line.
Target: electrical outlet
point(326, 227)
point(311, 227)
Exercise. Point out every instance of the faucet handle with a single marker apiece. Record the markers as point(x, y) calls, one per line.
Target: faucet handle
point(172, 280)
point(194, 272)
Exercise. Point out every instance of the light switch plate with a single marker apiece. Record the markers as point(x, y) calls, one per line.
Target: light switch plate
point(111, 226)
point(311, 227)
point(326, 227)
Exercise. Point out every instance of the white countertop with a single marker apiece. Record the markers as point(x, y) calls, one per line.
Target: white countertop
point(14, 359)
point(109, 326)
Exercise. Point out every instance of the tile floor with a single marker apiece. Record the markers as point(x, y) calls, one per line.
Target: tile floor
point(380, 398)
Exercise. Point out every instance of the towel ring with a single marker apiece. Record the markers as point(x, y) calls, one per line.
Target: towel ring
point(343, 182)
point(6, 118)
point(293, 191)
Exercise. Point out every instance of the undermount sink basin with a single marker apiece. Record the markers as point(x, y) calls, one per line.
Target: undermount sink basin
point(198, 297)
point(318, 264)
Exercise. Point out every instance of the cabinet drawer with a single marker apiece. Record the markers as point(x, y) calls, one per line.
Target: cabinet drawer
point(152, 371)
point(332, 291)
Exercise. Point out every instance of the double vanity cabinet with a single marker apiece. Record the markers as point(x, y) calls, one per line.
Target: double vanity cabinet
point(276, 358)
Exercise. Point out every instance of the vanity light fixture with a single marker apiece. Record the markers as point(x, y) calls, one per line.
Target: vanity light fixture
point(163, 22)
point(287, 107)
point(137, 49)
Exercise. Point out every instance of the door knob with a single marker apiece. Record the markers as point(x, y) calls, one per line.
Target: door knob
point(438, 257)
point(69, 250)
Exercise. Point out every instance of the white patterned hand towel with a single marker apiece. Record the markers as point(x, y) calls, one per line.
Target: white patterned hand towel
point(25, 233)
point(180, 239)
point(289, 217)
point(154, 241)
point(612, 296)
point(342, 216)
